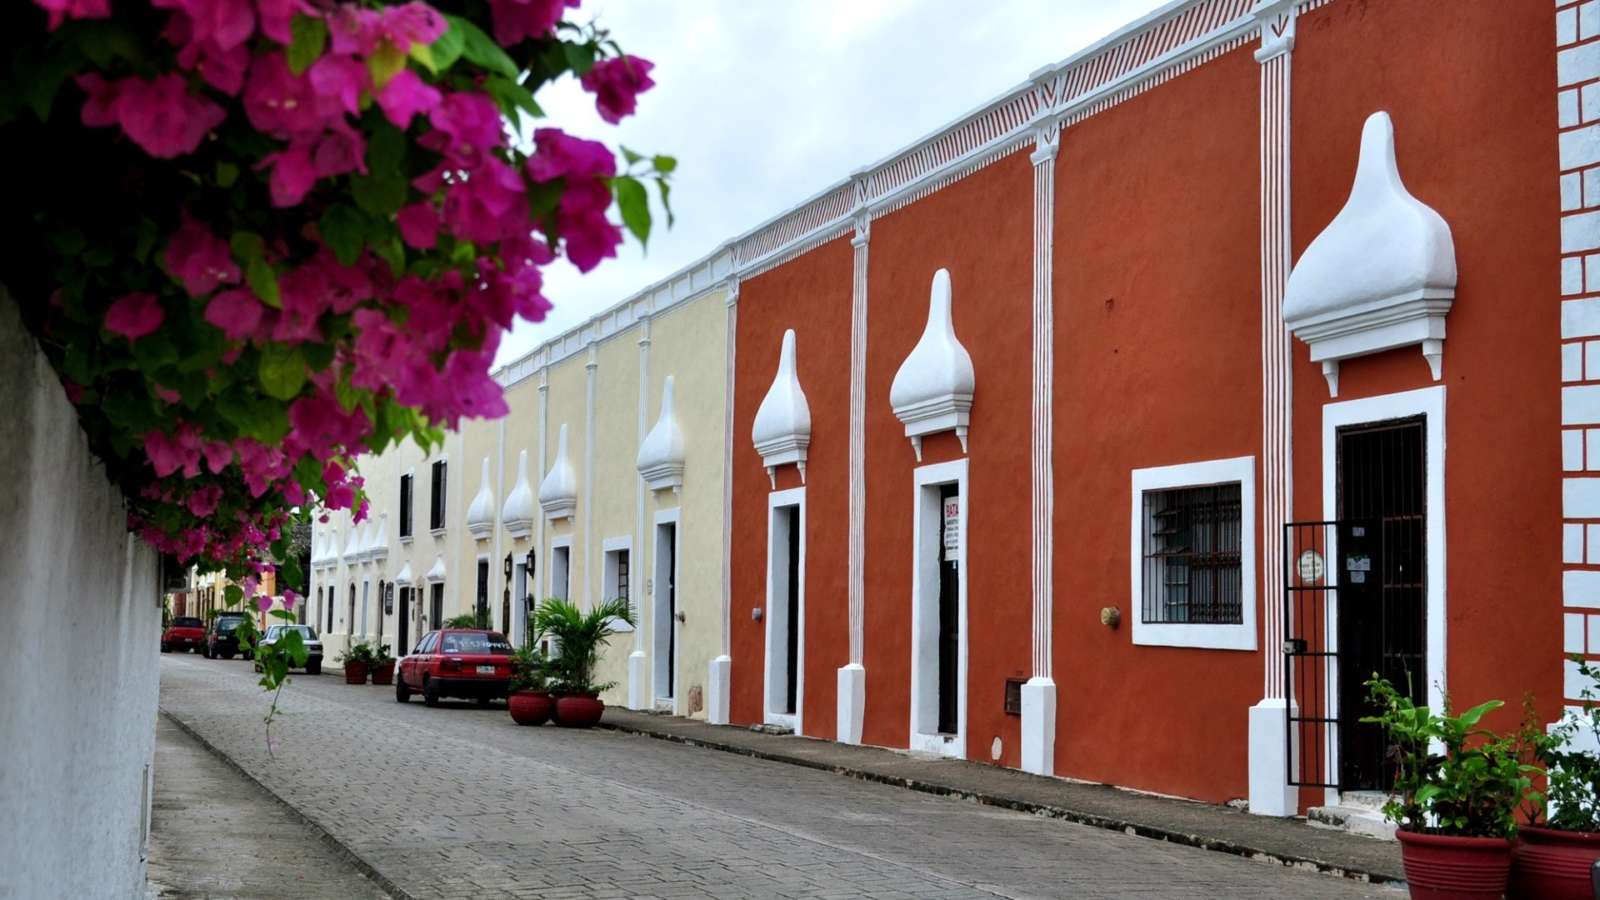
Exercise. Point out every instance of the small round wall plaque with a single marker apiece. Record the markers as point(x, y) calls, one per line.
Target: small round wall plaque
point(1311, 567)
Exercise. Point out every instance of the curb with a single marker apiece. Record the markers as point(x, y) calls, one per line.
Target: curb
point(1138, 829)
point(342, 850)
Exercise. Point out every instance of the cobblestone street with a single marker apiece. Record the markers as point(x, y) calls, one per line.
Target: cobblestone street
point(458, 802)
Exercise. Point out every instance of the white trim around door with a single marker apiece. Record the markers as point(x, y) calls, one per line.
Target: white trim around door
point(926, 515)
point(775, 683)
point(665, 668)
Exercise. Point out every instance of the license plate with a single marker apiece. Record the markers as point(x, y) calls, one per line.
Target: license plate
point(486, 670)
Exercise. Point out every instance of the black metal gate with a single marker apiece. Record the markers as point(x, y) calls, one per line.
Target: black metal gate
point(1310, 657)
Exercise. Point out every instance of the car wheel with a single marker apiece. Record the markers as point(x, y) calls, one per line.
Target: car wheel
point(205, 651)
point(401, 692)
point(166, 647)
point(430, 693)
point(314, 668)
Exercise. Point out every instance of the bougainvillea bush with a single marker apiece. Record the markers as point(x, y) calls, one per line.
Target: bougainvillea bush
point(258, 238)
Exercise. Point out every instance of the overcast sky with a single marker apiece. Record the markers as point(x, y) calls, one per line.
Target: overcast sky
point(766, 102)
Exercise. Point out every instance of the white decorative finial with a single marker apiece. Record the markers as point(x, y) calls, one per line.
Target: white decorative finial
point(480, 514)
point(518, 511)
point(1381, 275)
point(782, 428)
point(378, 538)
point(932, 391)
point(558, 493)
point(661, 455)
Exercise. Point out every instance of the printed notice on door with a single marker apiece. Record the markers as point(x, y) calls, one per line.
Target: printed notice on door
point(952, 526)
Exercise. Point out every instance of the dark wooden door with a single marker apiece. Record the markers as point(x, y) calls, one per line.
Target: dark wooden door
point(949, 622)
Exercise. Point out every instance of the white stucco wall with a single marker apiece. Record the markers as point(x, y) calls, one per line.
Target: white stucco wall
point(78, 653)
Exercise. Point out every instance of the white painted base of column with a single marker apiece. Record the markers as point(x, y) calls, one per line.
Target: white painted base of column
point(1270, 791)
point(717, 682)
point(638, 680)
point(852, 702)
point(1039, 726)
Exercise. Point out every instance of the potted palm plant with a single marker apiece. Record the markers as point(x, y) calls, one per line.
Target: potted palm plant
point(1560, 843)
point(357, 662)
point(530, 702)
point(579, 637)
point(1456, 791)
point(382, 664)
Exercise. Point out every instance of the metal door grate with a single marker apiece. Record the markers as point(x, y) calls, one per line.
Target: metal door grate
point(1309, 655)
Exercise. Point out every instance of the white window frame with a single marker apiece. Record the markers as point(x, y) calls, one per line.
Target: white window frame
point(564, 542)
point(412, 474)
point(488, 593)
point(925, 519)
point(608, 575)
point(444, 514)
point(772, 676)
point(1240, 470)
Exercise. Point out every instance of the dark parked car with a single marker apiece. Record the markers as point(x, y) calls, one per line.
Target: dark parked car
point(185, 633)
point(308, 636)
point(220, 639)
point(456, 662)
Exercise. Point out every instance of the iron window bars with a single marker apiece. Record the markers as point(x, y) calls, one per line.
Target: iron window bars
point(1192, 556)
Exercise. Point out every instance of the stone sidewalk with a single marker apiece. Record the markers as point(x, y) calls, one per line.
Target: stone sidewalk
point(1291, 842)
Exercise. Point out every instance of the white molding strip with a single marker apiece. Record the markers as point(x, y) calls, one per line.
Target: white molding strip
point(1047, 142)
point(589, 370)
point(732, 304)
point(858, 438)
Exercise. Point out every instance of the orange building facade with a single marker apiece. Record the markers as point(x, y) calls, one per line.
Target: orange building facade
point(1130, 422)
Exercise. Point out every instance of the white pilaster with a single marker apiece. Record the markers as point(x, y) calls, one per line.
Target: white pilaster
point(852, 703)
point(589, 369)
point(719, 678)
point(638, 668)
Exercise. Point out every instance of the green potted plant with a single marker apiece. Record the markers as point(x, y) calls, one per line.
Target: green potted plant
point(357, 662)
point(530, 702)
point(1560, 843)
point(579, 638)
point(381, 662)
point(1457, 787)
point(465, 620)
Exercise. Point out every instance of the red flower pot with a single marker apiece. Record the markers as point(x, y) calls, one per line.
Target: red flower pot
point(579, 711)
point(383, 674)
point(1553, 865)
point(1439, 867)
point(355, 673)
point(530, 707)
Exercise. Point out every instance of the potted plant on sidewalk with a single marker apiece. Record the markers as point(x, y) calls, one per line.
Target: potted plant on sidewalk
point(1560, 844)
point(381, 662)
point(1456, 791)
point(357, 662)
point(530, 702)
point(580, 638)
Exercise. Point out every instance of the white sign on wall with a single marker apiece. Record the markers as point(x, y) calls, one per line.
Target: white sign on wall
point(952, 526)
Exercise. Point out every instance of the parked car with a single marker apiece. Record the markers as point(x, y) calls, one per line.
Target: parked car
point(185, 633)
point(456, 662)
point(220, 639)
point(308, 636)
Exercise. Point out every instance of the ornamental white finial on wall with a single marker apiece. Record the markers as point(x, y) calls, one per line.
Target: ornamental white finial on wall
point(352, 543)
point(518, 511)
point(480, 514)
point(932, 392)
point(661, 456)
point(782, 429)
point(378, 539)
point(1381, 275)
point(558, 493)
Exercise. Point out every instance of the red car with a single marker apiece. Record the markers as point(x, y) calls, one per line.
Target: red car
point(185, 633)
point(456, 662)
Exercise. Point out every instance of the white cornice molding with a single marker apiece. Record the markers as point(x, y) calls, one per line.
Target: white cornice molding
point(782, 428)
point(932, 391)
point(661, 454)
point(558, 493)
point(436, 574)
point(517, 514)
point(1382, 275)
point(480, 514)
point(1277, 22)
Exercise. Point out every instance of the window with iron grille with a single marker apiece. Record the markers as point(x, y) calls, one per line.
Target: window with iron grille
point(1192, 573)
point(405, 505)
point(436, 507)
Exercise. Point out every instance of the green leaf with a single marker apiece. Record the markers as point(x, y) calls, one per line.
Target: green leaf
point(664, 164)
point(233, 594)
point(227, 174)
point(481, 50)
point(666, 204)
point(246, 245)
point(263, 281)
point(635, 206)
point(423, 53)
point(1471, 716)
point(282, 371)
point(510, 97)
point(630, 155)
point(381, 193)
point(383, 64)
point(391, 251)
point(307, 36)
point(386, 148)
point(447, 49)
point(580, 57)
point(344, 231)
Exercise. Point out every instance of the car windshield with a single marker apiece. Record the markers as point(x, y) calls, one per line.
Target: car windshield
point(306, 634)
point(186, 622)
point(469, 642)
point(228, 623)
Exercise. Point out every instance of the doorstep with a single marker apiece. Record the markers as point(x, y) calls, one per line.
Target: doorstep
point(1290, 842)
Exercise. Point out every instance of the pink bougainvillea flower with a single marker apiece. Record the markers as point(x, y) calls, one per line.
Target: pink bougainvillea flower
point(236, 312)
point(225, 23)
point(616, 83)
point(263, 602)
point(487, 204)
point(163, 117)
point(590, 239)
point(293, 174)
point(203, 502)
point(165, 394)
point(100, 109)
point(470, 120)
point(135, 315)
point(170, 452)
point(286, 105)
point(276, 16)
point(200, 260)
point(518, 20)
point(419, 225)
point(61, 10)
point(410, 23)
point(338, 152)
point(405, 95)
point(339, 79)
point(558, 154)
point(217, 454)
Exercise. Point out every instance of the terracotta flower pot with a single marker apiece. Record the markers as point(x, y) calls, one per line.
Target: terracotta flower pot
point(530, 707)
point(355, 673)
point(574, 711)
point(1439, 867)
point(383, 674)
point(1553, 865)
